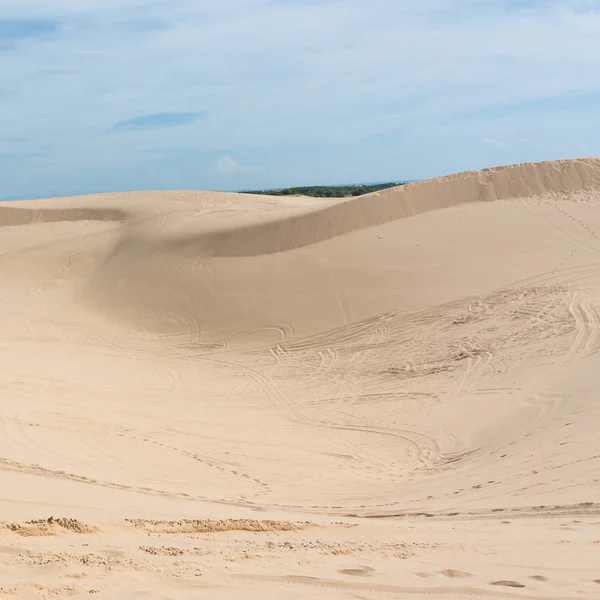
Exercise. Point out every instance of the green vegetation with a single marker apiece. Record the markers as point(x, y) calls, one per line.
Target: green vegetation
point(326, 191)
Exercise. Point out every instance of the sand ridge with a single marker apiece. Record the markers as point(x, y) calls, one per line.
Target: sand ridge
point(387, 396)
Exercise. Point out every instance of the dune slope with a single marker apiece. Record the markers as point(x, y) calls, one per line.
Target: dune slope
point(388, 396)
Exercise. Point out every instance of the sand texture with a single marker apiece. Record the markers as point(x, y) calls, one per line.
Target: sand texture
point(211, 395)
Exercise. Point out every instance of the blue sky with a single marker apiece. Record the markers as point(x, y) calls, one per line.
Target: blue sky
point(108, 95)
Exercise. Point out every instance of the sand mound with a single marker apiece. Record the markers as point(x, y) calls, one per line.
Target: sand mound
point(11, 217)
point(214, 525)
point(425, 356)
point(301, 274)
point(50, 526)
point(378, 208)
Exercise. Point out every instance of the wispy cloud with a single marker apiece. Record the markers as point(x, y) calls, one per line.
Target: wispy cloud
point(228, 166)
point(19, 156)
point(15, 30)
point(324, 90)
point(157, 121)
point(495, 143)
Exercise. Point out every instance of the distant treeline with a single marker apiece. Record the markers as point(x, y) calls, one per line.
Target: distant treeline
point(326, 191)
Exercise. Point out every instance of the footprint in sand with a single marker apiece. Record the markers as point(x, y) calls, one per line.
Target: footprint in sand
point(453, 573)
point(538, 578)
point(360, 572)
point(506, 583)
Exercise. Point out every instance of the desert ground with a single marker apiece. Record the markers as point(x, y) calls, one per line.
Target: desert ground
point(213, 395)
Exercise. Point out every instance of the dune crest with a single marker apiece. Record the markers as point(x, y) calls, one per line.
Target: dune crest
point(378, 208)
point(212, 283)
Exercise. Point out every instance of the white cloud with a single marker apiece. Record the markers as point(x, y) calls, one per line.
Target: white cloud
point(228, 166)
point(495, 143)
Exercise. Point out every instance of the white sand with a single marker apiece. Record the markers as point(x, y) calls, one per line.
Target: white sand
point(208, 395)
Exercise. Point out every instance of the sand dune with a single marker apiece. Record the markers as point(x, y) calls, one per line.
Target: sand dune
point(238, 396)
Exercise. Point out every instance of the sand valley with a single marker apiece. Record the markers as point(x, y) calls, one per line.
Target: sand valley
point(212, 395)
